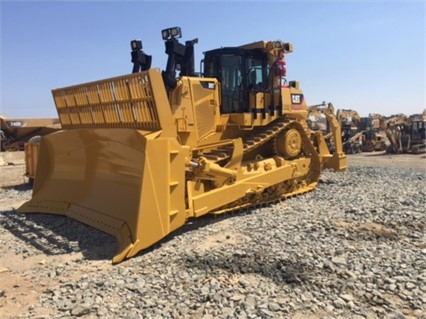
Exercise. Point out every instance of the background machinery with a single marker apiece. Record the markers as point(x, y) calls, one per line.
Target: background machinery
point(318, 121)
point(140, 154)
point(15, 132)
point(373, 134)
point(406, 134)
point(351, 135)
point(397, 129)
point(418, 133)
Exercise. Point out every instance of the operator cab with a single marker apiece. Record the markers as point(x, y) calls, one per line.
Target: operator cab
point(240, 71)
point(418, 130)
point(252, 77)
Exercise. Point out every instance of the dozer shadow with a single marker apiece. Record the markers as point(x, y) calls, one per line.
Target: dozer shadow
point(19, 187)
point(57, 235)
point(291, 270)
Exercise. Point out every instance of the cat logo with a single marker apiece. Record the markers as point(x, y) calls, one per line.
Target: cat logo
point(296, 98)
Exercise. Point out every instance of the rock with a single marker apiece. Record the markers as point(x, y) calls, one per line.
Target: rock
point(394, 315)
point(79, 311)
point(347, 297)
point(410, 285)
point(340, 260)
point(339, 303)
point(273, 306)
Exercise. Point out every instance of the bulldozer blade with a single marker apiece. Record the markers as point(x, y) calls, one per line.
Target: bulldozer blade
point(128, 183)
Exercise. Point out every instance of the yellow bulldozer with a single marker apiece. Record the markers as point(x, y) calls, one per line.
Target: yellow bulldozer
point(141, 154)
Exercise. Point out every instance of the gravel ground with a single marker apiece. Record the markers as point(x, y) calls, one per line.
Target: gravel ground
point(353, 248)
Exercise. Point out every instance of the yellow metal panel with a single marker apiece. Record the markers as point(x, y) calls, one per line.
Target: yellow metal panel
point(98, 115)
point(86, 115)
point(125, 182)
point(121, 102)
point(31, 156)
point(75, 117)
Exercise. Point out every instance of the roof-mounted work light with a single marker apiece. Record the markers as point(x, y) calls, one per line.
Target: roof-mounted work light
point(171, 33)
point(136, 45)
point(140, 60)
point(280, 46)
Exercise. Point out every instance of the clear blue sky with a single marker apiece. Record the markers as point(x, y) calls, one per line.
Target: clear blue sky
point(364, 55)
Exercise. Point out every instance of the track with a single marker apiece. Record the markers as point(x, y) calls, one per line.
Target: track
point(250, 142)
point(282, 190)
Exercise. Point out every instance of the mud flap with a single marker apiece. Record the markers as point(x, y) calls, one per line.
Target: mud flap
point(125, 182)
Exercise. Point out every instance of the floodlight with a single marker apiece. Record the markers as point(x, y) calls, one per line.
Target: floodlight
point(165, 34)
point(176, 33)
point(171, 33)
point(278, 44)
point(136, 45)
point(288, 47)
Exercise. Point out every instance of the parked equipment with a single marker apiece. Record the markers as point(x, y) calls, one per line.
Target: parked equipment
point(140, 154)
point(318, 121)
point(350, 124)
point(31, 151)
point(14, 132)
point(406, 134)
point(418, 133)
point(373, 134)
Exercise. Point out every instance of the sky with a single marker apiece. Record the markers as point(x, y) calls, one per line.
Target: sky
point(363, 55)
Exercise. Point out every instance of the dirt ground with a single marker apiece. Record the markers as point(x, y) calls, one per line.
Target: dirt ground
point(12, 170)
point(416, 162)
